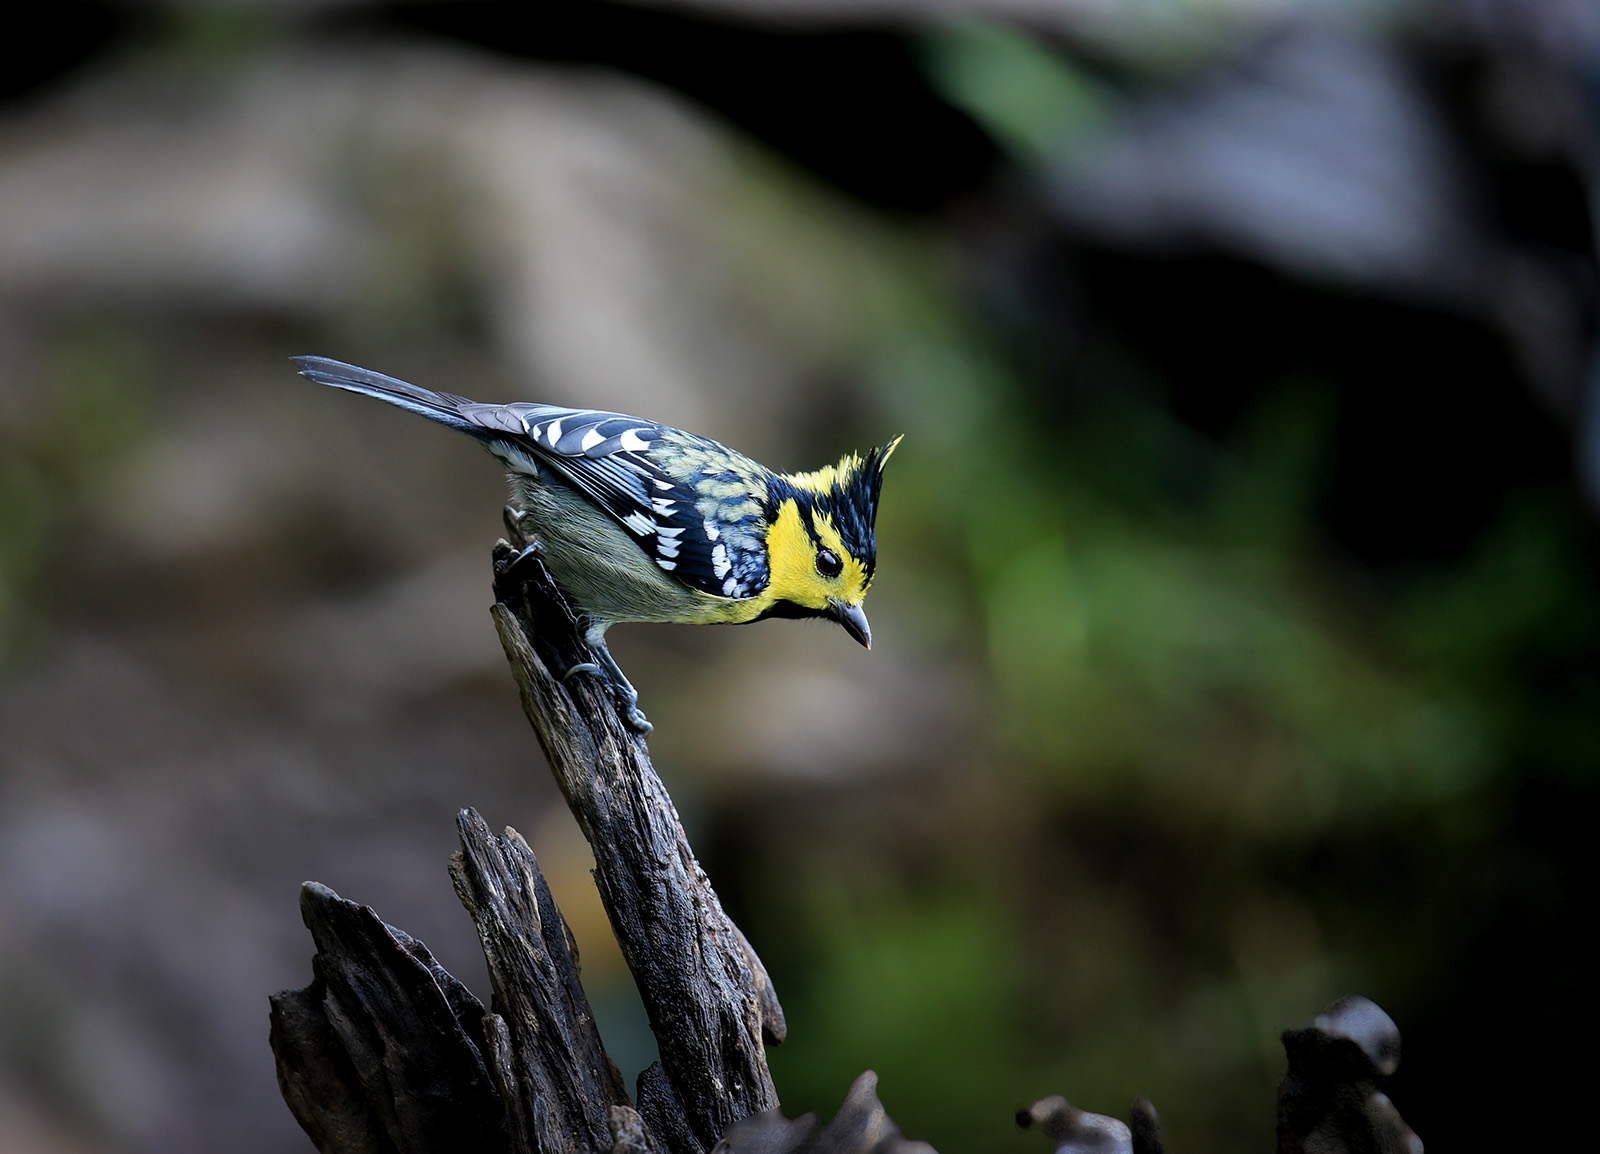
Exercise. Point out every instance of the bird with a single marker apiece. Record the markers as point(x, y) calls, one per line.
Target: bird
point(639, 521)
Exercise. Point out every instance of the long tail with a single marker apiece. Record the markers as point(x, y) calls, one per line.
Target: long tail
point(488, 423)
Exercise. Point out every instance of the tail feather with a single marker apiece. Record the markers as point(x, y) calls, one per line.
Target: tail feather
point(441, 407)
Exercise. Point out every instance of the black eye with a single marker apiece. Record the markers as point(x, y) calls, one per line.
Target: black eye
point(828, 563)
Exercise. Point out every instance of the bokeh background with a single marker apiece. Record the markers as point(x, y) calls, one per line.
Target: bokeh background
point(1237, 617)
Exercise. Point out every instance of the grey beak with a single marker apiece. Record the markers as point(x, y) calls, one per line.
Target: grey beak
point(853, 620)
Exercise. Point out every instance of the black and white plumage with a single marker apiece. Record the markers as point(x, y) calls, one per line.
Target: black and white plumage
point(639, 521)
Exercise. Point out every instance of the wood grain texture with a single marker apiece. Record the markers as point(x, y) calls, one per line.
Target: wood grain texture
point(708, 998)
point(558, 1080)
point(384, 1050)
point(386, 1053)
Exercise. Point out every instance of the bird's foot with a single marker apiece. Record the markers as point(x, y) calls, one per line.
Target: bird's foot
point(627, 696)
point(530, 551)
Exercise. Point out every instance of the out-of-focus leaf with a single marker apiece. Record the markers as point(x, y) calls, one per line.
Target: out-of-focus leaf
point(1036, 102)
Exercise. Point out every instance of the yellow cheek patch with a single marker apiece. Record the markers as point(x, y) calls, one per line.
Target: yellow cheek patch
point(792, 561)
point(850, 586)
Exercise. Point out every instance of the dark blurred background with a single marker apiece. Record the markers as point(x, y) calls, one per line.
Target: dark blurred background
point(1238, 620)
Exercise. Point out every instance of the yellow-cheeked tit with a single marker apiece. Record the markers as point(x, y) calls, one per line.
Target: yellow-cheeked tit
point(638, 521)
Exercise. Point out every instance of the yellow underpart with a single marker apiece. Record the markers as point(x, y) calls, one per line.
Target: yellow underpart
point(792, 562)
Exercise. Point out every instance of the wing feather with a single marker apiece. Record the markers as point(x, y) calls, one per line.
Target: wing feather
point(658, 511)
point(605, 455)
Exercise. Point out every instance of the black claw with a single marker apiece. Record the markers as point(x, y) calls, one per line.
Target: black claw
point(530, 550)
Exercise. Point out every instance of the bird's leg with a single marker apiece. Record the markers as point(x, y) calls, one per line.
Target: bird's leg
point(607, 667)
point(512, 516)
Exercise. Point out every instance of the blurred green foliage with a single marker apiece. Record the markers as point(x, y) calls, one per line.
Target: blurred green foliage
point(1223, 773)
point(88, 396)
point(1036, 102)
point(1233, 774)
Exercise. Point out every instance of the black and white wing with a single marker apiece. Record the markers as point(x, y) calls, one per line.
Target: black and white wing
point(604, 455)
point(616, 462)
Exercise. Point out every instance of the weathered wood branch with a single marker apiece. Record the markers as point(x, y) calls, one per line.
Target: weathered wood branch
point(558, 1082)
point(386, 1053)
point(707, 995)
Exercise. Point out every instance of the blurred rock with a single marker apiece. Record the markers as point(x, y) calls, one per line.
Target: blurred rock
point(1316, 151)
point(1144, 1121)
point(1076, 1131)
point(200, 694)
point(428, 626)
point(1382, 163)
point(138, 1001)
point(861, 1126)
point(1328, 1101)
point(1363, 1022)
point(619, 248)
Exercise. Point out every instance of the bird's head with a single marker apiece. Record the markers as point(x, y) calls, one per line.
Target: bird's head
point(820, 547)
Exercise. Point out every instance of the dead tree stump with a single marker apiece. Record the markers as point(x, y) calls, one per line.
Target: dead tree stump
point(708, 997)
point(386, 1053)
